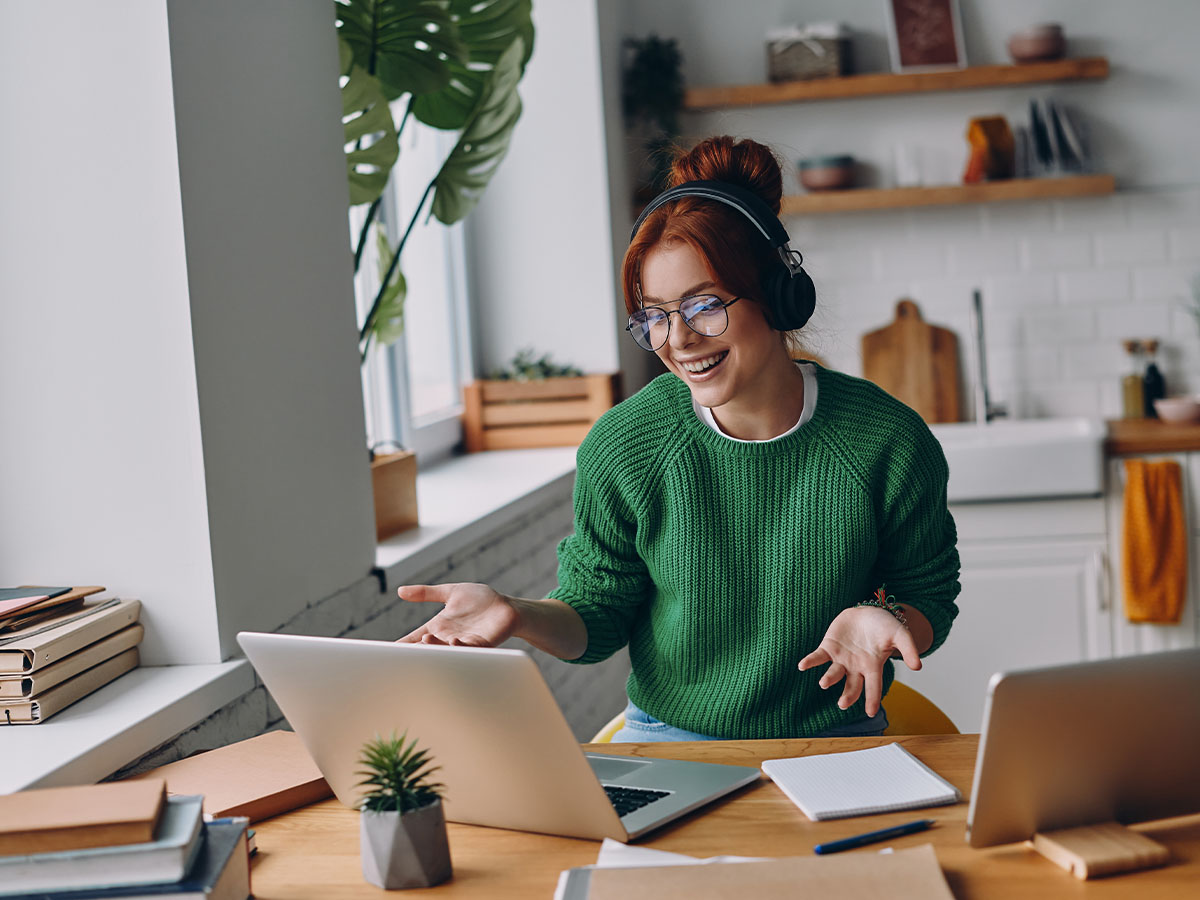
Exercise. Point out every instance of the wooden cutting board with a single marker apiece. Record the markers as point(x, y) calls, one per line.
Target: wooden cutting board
point(915, 362)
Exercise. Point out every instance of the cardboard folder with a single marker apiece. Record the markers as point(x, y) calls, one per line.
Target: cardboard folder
point(37, 709)
point(37, 682)
point(257, 778)
point(54, 598)
point(49, 640)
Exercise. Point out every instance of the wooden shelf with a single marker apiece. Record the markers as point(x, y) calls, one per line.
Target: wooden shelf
point(857, 199)
point(882, 84)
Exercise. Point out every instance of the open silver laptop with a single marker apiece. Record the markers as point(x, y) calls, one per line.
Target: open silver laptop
point(507, 757)
point(1111, 740)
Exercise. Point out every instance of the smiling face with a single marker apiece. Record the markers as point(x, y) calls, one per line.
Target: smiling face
point(740, 366)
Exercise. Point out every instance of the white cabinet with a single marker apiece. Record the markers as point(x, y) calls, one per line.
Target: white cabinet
point(1130, 638)
point(1035, 592)
point(1041, 585)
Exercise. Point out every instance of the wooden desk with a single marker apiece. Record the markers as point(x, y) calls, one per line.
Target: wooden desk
point(313, 852)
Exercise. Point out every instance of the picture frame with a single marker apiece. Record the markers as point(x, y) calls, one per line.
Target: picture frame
point(925, 35)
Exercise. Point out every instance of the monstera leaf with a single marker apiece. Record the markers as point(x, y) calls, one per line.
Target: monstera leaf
point(408, 45)
point(370, 133)
point(487, 28)
point(483, 143)
point(387, 323)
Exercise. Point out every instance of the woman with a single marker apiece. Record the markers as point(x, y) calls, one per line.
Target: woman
point(736, 519)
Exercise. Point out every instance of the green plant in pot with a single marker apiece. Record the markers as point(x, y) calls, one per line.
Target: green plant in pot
point(453, 65)
point(651, 98)
point(402, 831)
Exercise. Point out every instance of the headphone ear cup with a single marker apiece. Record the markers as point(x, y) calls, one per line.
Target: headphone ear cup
point(791, 299)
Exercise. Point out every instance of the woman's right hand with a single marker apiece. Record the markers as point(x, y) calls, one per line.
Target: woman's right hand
point(472, 615)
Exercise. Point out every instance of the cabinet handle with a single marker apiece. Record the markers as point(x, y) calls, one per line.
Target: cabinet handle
point(1099, 579)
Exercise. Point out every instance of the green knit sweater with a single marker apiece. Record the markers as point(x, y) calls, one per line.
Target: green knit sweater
point(723, 563)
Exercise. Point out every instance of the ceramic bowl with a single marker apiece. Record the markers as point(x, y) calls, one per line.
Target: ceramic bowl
point(826, 173)
point(1037, 43)
point(1178, 409)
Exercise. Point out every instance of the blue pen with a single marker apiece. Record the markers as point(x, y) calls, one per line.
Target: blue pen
point(872, 837)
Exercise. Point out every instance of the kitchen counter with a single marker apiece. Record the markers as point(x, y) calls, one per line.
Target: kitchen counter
point(1128, 436)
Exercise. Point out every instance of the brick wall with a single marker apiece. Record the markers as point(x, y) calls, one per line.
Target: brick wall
point(1063, 282)
point(518, 558)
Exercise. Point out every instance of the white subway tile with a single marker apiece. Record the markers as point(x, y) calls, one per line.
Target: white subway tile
point(912, 259)
point(1097, 286)
point(859, 263)
point(1091, 213)
point(983, 257)
point(1163, 282)
point(1106, 361)
point(1060, 325)
point(1017, 219)
point(946, 223)
point(1021, 365)
point(1003, 328)
point(1053, 253)
point(1154, 209)
point(1185, 244)
point(866, 228)
point(1185, 321)
point(1079, 398)
point(1140, 320)
point(1131, 248)
point(1027, 289)
point(879, 297)
point(1111, 400)
point(945, 295)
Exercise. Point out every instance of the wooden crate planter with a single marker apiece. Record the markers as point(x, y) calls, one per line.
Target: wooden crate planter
point(553, 412)
point(394, 481)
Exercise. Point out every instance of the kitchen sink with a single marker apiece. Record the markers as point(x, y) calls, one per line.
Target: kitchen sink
point(1023, 459)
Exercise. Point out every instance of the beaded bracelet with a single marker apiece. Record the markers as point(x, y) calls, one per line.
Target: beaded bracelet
point(887, 603)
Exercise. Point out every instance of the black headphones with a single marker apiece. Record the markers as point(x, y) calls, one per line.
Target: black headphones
point(788, 291)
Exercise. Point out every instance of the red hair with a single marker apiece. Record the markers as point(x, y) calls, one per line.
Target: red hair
point(732, 248)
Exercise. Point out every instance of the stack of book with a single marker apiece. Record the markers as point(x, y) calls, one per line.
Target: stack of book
point(125, 839)
point(56, 647)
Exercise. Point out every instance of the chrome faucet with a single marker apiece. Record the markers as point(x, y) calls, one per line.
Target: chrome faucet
point(985, 411)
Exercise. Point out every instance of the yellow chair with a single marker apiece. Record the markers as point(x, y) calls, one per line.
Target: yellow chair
point(908, 712)
point(911, 712)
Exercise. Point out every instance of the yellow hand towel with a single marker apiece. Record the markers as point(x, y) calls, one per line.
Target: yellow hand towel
point(1154, 546)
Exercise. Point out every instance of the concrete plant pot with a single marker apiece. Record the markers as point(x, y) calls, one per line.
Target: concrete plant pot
point(405, 851)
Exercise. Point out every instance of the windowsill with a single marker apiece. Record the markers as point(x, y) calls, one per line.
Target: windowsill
point(463, 498)
point(122, 721)
point(459, 501)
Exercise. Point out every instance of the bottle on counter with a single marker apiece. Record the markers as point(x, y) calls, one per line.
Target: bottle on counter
point(1133, 404)
point(1154, 386)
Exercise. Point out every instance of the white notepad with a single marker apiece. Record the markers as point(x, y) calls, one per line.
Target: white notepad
point(859, 782)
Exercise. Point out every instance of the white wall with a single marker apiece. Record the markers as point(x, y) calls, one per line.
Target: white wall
point(1063, 281)
point(540, 242)
point(177, 349)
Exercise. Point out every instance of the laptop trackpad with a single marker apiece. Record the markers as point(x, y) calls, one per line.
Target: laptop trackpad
point(608, 768)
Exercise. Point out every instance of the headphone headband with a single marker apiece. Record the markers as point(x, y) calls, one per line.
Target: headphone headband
point(744, 201)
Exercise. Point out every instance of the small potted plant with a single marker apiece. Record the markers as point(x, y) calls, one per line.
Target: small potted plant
point(402, 825)
point(534, 402)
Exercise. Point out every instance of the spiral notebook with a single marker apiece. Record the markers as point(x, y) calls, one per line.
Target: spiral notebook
point(859, 782)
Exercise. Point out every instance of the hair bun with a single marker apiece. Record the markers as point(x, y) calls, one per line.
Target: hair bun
point(746, 163)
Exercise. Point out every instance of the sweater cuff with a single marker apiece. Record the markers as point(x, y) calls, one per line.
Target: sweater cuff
point(604, 631)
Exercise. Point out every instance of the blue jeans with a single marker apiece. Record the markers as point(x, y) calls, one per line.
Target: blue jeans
point(641, 726)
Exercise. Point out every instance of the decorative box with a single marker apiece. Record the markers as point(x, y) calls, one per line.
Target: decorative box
point(800, 53)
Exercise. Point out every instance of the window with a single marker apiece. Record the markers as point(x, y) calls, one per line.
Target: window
point(413, 389)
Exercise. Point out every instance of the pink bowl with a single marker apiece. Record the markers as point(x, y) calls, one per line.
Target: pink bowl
point(1037, 43)
point(1178, 409)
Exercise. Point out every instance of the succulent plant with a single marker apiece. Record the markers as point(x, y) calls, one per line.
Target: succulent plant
point(398, 775)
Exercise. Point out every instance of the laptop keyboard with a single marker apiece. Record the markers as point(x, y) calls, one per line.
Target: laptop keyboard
point(626, 799)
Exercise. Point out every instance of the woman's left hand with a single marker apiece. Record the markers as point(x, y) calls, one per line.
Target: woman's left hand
point(859, 641)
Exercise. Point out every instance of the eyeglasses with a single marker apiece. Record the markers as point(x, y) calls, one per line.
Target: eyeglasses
point(704, 314)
